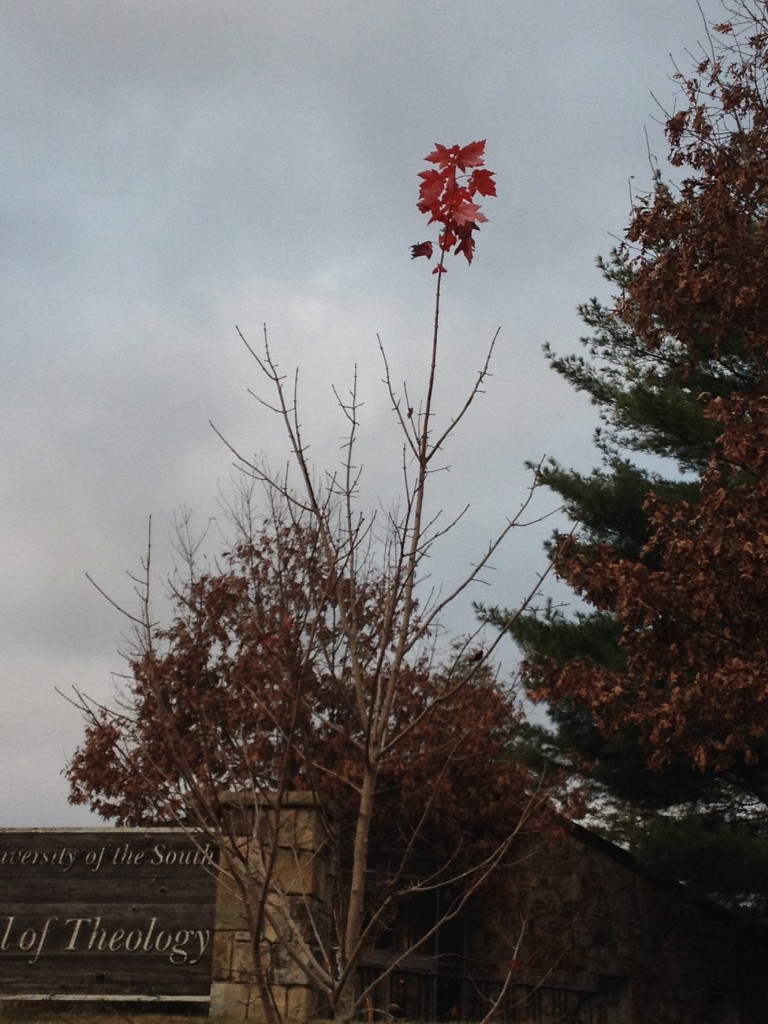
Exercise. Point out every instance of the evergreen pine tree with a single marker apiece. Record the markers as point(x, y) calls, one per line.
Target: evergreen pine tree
point(655, 360)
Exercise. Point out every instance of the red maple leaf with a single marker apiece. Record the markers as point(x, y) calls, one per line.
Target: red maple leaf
point(460, 156)
point(447, 239)
point(431, 187)
point(467, 246)
point(471, 155)
point(421, 249)
point(466, 212)
point(441, 155)
point(482, 181)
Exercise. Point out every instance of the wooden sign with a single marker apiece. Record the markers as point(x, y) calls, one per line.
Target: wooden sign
point(109, 912)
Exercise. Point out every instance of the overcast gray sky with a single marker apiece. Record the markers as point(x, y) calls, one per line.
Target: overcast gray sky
point(171, 169)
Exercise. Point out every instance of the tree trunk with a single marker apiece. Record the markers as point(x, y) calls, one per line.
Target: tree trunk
point(345, 1001)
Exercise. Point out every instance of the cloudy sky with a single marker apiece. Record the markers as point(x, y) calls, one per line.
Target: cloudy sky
point(173, 169)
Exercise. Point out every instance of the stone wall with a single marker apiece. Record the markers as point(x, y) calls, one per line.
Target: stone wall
point(586, 932)
point(579, 914)
point(299, 881)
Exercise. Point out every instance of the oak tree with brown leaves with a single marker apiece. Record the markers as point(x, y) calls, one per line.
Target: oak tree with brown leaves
point(252, 683)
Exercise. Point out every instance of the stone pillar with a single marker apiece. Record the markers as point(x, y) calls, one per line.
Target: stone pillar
point(300, 879)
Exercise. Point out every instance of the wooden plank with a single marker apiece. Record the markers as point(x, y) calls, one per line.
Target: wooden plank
point(118, 911)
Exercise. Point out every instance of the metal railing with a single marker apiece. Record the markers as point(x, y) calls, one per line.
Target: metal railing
point(421, 995)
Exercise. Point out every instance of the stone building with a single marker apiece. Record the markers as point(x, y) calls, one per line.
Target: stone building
point(572, 931)
point(593, 938)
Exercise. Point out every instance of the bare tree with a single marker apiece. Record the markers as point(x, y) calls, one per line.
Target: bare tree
point(312, 660)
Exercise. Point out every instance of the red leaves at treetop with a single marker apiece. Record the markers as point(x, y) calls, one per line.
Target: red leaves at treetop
point(447, 194)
